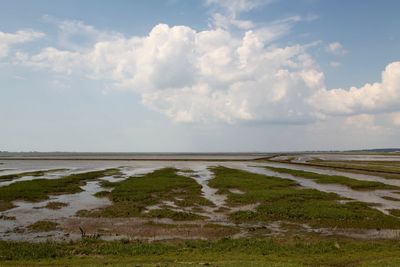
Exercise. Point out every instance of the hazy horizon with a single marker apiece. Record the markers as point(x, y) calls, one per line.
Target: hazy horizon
point(204, 152)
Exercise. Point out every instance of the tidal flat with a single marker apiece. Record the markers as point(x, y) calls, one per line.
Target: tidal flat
point(282, 210)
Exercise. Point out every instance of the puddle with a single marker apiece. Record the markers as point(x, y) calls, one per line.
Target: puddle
point(202, 175)
point(27, 213)
point(236, 191)
point(249, 207)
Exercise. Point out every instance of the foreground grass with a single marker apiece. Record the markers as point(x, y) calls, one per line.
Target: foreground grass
point(131, 196)
point(283, 199)
point(10, 177)
point(224, 252)
point(335, 179)
point(40, 189)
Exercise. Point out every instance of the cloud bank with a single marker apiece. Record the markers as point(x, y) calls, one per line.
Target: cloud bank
point(193, 75)
point(215, 74)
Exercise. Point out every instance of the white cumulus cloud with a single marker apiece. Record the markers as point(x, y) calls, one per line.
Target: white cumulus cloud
point(378, 97)
point(238, 6)
point(193, 75)
point(217, 75)
point(19, 37)
point(336, 48)
point(231, 10)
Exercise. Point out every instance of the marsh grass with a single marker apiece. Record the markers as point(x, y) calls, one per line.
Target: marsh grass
point(335, 179)
point(54, 205)
point(131, 196)
point(224, 252)
point(43, 226)
point(40, 189)
point(5, 205)
point(175, 215)
point(10, 177)
point(283, 200)
point(385, 169)
point(103, 194)
point(395, 212)
point(391, 198)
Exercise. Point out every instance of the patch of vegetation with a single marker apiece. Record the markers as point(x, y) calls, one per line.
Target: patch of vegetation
point(43, 226)
point(395, 212)
point(335, 179)
point(5, 205)
point(84, 213)
point(224, 252)
point(385, 169)
point(103, 194)
point(40, 189)
point(54, 205)
point(10, 177)
point(107, 184)
point(390, 198)
point(175, 215)
point(131, 196)
point(283, 200)
point(7, 218)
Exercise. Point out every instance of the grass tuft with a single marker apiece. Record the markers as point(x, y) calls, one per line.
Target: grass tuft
point(43, 226)
point(54, 205)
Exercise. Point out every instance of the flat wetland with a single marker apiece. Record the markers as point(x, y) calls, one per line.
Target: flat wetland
point(324, 209)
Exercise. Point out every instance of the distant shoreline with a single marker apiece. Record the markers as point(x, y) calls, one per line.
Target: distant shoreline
point(136, 156)
point(177, 156)
point(135, 159)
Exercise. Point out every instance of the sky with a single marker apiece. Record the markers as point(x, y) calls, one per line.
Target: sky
point(199, 75)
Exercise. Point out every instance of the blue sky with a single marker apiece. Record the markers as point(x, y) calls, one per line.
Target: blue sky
point(212, 75)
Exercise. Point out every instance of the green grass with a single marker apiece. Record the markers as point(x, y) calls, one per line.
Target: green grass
point(385, 169)
point(282, 199)
point(40, 189)
point(10, 177)
point(224, 252)
point(335, 179)
point(131, 196)
point(388, 166)
point(391, 198)
point(54, 205)
point(103, 194)
point(395, 212)
point(43, 226)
